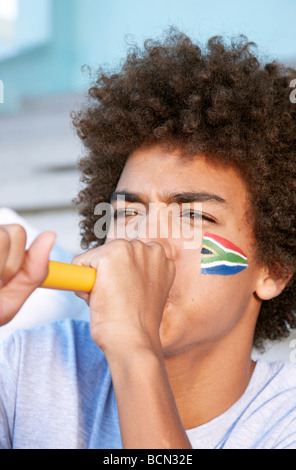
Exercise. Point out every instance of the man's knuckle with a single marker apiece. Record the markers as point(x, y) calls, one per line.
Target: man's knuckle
point(17, 230)
point(5, 241)
point(155, 246)
point(77, 259)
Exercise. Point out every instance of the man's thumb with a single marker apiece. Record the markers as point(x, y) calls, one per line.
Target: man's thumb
point(37, 256)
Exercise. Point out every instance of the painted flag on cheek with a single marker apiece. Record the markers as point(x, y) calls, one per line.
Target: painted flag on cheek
point(221, 257)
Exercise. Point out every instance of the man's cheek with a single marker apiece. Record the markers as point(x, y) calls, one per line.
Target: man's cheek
point(221, 257)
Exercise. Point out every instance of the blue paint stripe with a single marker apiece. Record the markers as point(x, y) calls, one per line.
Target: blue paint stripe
point(223, 270)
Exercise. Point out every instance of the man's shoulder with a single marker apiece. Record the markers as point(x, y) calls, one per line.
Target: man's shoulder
point(64, 339)
point(274, 385)
point(281, 373)
point(265, 416)
point(66, 329)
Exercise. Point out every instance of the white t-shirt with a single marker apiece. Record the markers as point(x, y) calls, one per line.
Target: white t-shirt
point(263, 418)
point(56, 392)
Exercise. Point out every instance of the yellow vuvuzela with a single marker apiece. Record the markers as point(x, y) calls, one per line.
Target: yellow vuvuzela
point(64, 276)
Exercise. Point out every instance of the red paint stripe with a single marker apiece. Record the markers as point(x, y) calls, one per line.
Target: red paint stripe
point(225, 243)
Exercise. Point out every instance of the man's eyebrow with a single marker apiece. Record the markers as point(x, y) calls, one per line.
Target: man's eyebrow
point(128, 196)
point(179, 198)
point(195, 197)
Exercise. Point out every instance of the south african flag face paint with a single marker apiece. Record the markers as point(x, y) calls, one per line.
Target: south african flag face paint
point(221, 257)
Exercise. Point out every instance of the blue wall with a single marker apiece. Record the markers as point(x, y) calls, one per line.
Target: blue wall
point(101, 25)
point(56, 37)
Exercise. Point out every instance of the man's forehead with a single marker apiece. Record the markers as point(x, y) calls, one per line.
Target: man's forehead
point(152, 173)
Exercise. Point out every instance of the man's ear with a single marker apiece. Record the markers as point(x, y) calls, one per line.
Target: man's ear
point(271, 283)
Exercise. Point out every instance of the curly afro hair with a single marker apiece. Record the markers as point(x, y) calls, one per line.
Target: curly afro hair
point(222, 101)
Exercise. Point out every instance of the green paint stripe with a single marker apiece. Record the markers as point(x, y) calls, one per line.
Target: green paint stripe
point(212, 259)
point(222, 254)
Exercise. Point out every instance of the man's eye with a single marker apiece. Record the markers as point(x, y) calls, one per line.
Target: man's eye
point(197, 215)
point(124, 213)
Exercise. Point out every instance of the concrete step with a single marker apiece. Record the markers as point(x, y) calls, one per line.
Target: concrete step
point(39, 154)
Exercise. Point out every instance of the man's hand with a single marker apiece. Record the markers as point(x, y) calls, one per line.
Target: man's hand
point(131, 288)
point(127, 304)
point(21, 271)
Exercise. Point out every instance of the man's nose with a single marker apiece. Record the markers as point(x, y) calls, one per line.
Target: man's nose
point(156, 227)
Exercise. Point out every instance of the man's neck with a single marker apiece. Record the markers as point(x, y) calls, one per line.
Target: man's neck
point(206, 383)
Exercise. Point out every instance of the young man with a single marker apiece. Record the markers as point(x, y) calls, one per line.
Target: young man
point(166, 361)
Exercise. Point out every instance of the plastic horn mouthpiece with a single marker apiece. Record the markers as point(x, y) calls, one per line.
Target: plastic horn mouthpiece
point(64, 276)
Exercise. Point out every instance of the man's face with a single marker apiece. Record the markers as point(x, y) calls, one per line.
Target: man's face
point(202, 309)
